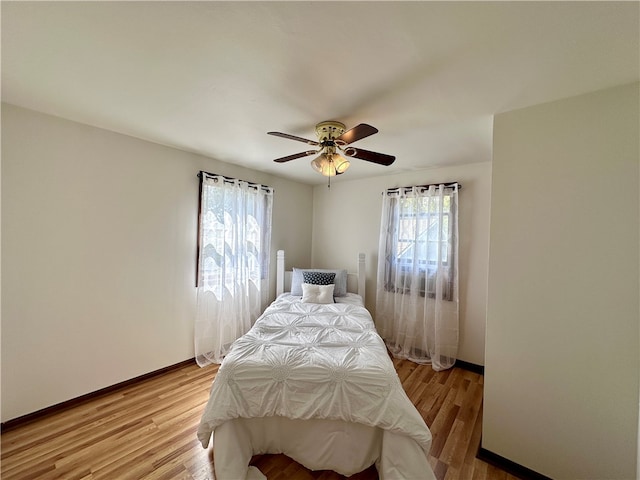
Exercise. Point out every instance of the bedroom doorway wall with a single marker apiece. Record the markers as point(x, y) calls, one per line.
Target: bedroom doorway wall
point(562, 373)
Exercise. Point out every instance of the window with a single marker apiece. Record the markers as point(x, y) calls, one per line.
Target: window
point(234, 235)
point(417, 308)
point(425, 226)
point(423, 242)
point(234, 231)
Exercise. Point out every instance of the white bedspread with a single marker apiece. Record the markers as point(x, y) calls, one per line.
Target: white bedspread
point(307, 361)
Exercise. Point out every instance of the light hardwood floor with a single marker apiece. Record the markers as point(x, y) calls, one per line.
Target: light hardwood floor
point(148, 430)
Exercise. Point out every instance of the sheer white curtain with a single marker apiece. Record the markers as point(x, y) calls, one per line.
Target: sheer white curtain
point(417, 289)
point(233, 262)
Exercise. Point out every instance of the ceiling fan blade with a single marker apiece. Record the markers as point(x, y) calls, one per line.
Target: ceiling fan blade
point(356, 133)
point(293, 137)
point(375, 157)
point(294, 156)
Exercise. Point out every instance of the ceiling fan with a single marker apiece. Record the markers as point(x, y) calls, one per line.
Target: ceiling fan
point(333, 142)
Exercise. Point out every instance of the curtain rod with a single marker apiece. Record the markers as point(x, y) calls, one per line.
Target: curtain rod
point(446, 185)
point(231, 179)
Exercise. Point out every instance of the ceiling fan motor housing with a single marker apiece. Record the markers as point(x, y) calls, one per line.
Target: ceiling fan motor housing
point(329, 130)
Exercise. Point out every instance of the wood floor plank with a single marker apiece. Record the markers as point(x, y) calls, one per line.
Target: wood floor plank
point(147, 430)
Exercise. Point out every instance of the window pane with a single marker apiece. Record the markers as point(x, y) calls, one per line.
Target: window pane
point(423, 231)
point(234, 234)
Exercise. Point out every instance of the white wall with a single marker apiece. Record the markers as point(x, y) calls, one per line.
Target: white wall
point(346, 221)
point(98, 250)
point(561, 378)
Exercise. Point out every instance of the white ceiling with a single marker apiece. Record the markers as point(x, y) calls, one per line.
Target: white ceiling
point(214, 77)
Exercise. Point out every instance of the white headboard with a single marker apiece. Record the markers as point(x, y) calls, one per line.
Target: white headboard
point(355, 281)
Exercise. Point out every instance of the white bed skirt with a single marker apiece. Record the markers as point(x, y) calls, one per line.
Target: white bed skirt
point(346, 448)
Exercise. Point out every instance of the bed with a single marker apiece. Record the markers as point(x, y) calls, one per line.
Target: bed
point(315, 382)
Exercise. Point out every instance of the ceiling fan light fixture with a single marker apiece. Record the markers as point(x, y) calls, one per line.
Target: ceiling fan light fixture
point(330, 164)
point(341, 164)
point(324, 165)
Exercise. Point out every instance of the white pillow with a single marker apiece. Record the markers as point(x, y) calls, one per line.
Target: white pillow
point(317, 293)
